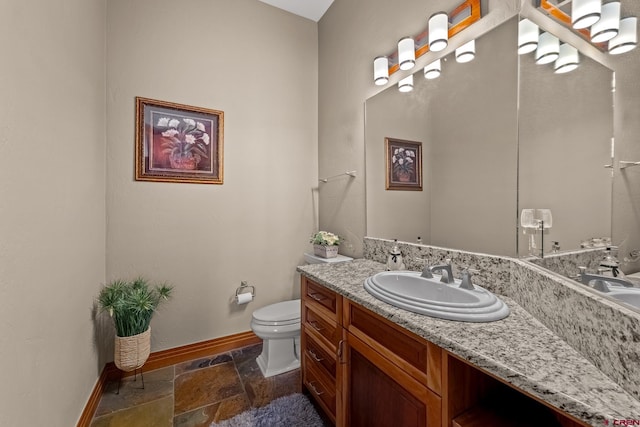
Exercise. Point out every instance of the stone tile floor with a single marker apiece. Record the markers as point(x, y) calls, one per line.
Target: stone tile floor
point(194, 393)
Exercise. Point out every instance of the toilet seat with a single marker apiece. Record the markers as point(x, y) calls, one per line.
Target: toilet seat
point(279, 314)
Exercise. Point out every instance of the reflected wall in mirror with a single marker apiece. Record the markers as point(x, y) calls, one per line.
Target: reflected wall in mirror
point(564, 136)
point(467, 122)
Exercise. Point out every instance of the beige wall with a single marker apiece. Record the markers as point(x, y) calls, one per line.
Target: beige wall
point(259, 65)
point(351, 34)
point(52, 209)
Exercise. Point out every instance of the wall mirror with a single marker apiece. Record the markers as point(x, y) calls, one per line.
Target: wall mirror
point(499, 134)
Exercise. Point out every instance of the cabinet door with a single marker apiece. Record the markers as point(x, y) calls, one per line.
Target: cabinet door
point(378, 393)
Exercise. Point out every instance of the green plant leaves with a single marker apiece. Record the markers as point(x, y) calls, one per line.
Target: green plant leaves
point(132, 304)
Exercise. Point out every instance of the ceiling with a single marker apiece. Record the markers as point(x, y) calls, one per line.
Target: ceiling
point(310, 9)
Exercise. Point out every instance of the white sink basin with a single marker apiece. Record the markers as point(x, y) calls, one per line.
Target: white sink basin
point(410, 291)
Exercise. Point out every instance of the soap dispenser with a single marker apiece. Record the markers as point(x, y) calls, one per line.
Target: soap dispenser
point(394, 260)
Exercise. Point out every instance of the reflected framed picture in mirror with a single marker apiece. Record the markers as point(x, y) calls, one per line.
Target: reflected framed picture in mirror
point(403, 160)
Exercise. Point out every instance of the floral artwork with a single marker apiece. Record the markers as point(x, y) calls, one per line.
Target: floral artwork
point(404, 164)
point(178, 143)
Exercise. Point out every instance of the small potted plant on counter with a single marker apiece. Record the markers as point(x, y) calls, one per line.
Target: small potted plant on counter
point(325, 244)
point(131, 304)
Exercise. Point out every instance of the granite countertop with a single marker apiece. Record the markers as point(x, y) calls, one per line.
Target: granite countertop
point(519, 349)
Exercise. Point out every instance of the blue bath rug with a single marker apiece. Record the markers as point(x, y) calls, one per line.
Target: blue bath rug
point(294, 410)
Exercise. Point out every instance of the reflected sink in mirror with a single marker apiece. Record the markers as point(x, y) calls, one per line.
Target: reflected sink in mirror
point(431, 297)
point(629, 296)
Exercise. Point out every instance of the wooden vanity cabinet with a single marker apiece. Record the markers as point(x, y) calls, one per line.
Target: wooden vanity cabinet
point(321, 340)
point(391, 377)
point(366, 371)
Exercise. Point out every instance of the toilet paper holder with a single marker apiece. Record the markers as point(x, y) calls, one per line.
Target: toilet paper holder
point(244, 287)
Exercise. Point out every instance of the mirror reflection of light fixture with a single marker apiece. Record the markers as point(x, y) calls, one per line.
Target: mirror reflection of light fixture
point(381, 70)
point(627, 38)
point(568, 59)
point(608, 25)
point(466, 52)
point(433, 70)
point(585, 13)
point(406, 53)
point(548, 48)
point(406, 84)
point(527, 36)
point(438, 31)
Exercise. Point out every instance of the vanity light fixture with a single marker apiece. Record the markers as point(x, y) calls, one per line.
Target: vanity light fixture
point(440, 27)
point(528, 33)
point(438, 31)
point(466, 52)
point(548, 48)
point(627, 38)
point(433, 70)
point(608, 25)
point(406, 84)
point(585, 13)
point(381, 70)
point(406, 53)
point(568, 59)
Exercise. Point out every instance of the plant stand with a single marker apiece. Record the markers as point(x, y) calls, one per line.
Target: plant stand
point(131, 353)
point(135, 378)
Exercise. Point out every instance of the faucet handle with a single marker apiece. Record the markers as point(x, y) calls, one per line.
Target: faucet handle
point(466, 282)
point(426, 270)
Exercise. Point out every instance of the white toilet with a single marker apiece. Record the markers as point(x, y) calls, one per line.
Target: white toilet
point(279, 327)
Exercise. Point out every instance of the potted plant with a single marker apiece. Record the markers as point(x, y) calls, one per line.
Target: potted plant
point(325, 244)
point(131, 304)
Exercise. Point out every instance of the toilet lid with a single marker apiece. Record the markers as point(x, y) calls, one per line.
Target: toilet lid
point(285, 311)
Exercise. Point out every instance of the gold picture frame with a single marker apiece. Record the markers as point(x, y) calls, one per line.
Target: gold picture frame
point(178, 143)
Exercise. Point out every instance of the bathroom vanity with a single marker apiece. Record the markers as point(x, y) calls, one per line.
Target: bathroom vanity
point(367, 363)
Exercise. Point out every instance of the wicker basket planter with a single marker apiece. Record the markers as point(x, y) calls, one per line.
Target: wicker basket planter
point(325, 251)
point(132, 352)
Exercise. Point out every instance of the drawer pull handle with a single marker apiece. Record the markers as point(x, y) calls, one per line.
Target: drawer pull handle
point(318, 297)
point(315, 326)
point(314, 356)
point(314, 389)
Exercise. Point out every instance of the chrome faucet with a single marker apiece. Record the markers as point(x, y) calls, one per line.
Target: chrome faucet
point(445, 271)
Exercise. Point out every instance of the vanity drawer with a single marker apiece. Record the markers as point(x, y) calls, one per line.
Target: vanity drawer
point(410, 352)
point(318, 325)
point(317, 355)
point(321, 388)
point(325, 299)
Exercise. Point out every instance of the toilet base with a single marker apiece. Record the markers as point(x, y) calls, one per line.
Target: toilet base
point(278, 356)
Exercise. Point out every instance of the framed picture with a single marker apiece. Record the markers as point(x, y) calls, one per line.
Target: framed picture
point(404, 164)
point(178, 143)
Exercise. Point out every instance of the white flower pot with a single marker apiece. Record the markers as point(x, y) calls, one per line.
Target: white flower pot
point(325, 251)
